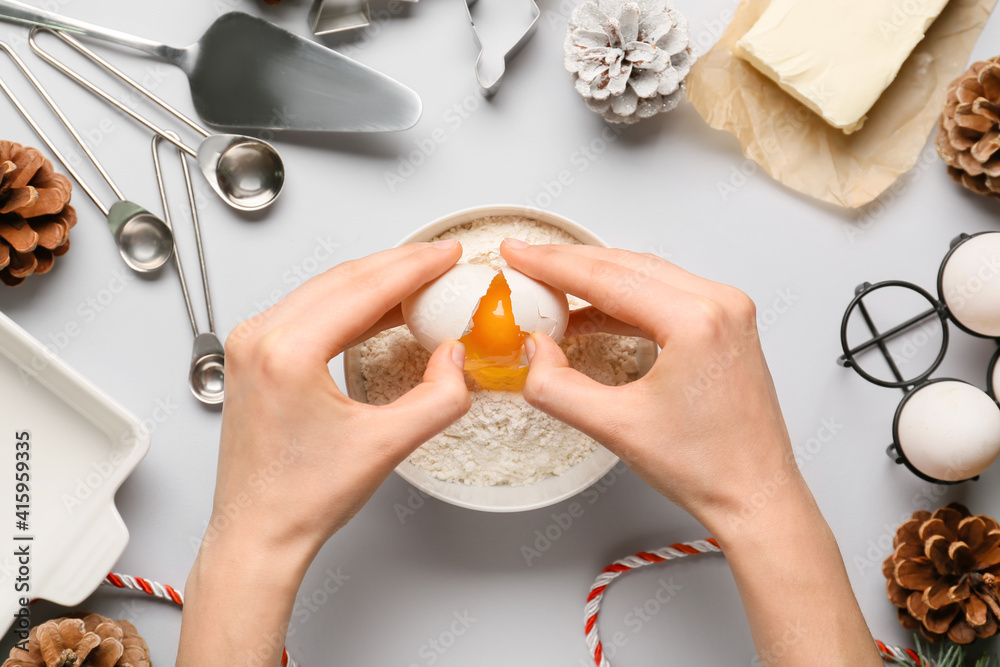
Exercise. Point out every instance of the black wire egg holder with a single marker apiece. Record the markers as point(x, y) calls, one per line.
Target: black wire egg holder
point(938, 309)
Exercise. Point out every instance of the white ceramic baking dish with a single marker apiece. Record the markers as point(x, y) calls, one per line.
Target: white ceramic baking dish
point(82, 447)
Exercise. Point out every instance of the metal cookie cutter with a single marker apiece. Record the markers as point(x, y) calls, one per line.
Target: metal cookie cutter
point(330, 16)
point(491, 87)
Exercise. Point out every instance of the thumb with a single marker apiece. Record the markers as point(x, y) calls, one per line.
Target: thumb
point(567, 394)
point(434, 404)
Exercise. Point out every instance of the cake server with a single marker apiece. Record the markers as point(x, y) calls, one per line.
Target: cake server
point(246, 172)
point(246, 73)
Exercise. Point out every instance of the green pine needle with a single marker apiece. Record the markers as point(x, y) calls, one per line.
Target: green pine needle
point(948, 655)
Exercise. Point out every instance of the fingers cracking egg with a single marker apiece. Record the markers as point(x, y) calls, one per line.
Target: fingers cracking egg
point(492, 312)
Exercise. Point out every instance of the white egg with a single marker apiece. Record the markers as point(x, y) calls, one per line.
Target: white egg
point(537, 307)
point(995, 378)
point(949, 430)
point(970, 284)
point(442, 309)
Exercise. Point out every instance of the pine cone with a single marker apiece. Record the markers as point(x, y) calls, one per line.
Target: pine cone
point(629, 59)
point(944, 575)
point(82, 640)
point(35, 215)
point(968, 137)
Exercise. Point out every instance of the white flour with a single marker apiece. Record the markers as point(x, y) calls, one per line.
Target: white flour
point(502, 439)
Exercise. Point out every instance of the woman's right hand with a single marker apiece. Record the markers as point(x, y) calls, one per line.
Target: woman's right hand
point(704, 426)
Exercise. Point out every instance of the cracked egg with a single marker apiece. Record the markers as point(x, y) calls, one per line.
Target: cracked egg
point(492, 313)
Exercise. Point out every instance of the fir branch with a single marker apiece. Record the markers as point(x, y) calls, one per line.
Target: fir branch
point(947, 655)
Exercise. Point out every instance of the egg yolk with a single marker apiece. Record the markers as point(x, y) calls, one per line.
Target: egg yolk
point(494, 345)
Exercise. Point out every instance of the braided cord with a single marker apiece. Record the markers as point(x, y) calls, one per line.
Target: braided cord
point(168, 593)
point(893, 654)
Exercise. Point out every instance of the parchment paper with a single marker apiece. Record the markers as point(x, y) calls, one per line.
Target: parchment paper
point(797, 147)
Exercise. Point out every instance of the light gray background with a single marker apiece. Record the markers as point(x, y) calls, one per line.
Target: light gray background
point(656, 188)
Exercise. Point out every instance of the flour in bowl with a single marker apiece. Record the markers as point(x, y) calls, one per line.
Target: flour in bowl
point(502, 439)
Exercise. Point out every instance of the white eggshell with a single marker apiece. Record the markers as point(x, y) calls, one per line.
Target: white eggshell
point(442, 309)
point(996, 379)
point(970, 284)
point(537, 308)
point(950, 430)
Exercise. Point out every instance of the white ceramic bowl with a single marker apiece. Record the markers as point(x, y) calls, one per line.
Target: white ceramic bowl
point(502, 498)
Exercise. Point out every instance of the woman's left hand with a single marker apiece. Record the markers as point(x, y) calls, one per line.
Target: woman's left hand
point(298, 458)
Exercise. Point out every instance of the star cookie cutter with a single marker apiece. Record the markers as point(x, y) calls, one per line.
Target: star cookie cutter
point(490, 87)
point(331, 16)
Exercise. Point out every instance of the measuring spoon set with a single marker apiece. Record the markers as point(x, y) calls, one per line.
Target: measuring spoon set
point(245, 172)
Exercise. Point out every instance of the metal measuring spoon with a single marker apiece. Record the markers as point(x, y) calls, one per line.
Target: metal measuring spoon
point(207, 376)
point(144, 241)
point(246, 172)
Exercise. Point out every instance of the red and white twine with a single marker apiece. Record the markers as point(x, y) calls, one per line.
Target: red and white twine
point(892, 654)
point(168, 593)
point(620, 567)
point(592, 610)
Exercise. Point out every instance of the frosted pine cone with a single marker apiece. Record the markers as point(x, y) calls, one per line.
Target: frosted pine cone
point(629, 59)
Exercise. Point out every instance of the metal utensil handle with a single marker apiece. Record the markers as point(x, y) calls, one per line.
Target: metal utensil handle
point(192, 202)
point(166, 219)
point(18, 12)
point(41, 133)
point(130, 81)
point(44, 55)
point(65, 121)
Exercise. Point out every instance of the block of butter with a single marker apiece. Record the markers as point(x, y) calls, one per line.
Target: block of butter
point(837, 56)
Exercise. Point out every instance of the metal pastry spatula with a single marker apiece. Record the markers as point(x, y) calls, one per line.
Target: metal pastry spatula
point(246, 73)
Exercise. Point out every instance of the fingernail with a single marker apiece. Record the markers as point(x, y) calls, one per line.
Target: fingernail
point(445, 244)
point(458, 355)
point(516, 244)
point(529, 348)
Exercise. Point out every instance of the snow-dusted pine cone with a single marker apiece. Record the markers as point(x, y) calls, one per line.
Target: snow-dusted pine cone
point(629, 58)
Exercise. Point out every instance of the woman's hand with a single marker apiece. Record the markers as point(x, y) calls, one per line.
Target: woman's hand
point(297, 457)
point(705, 429)
point(707, 411)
